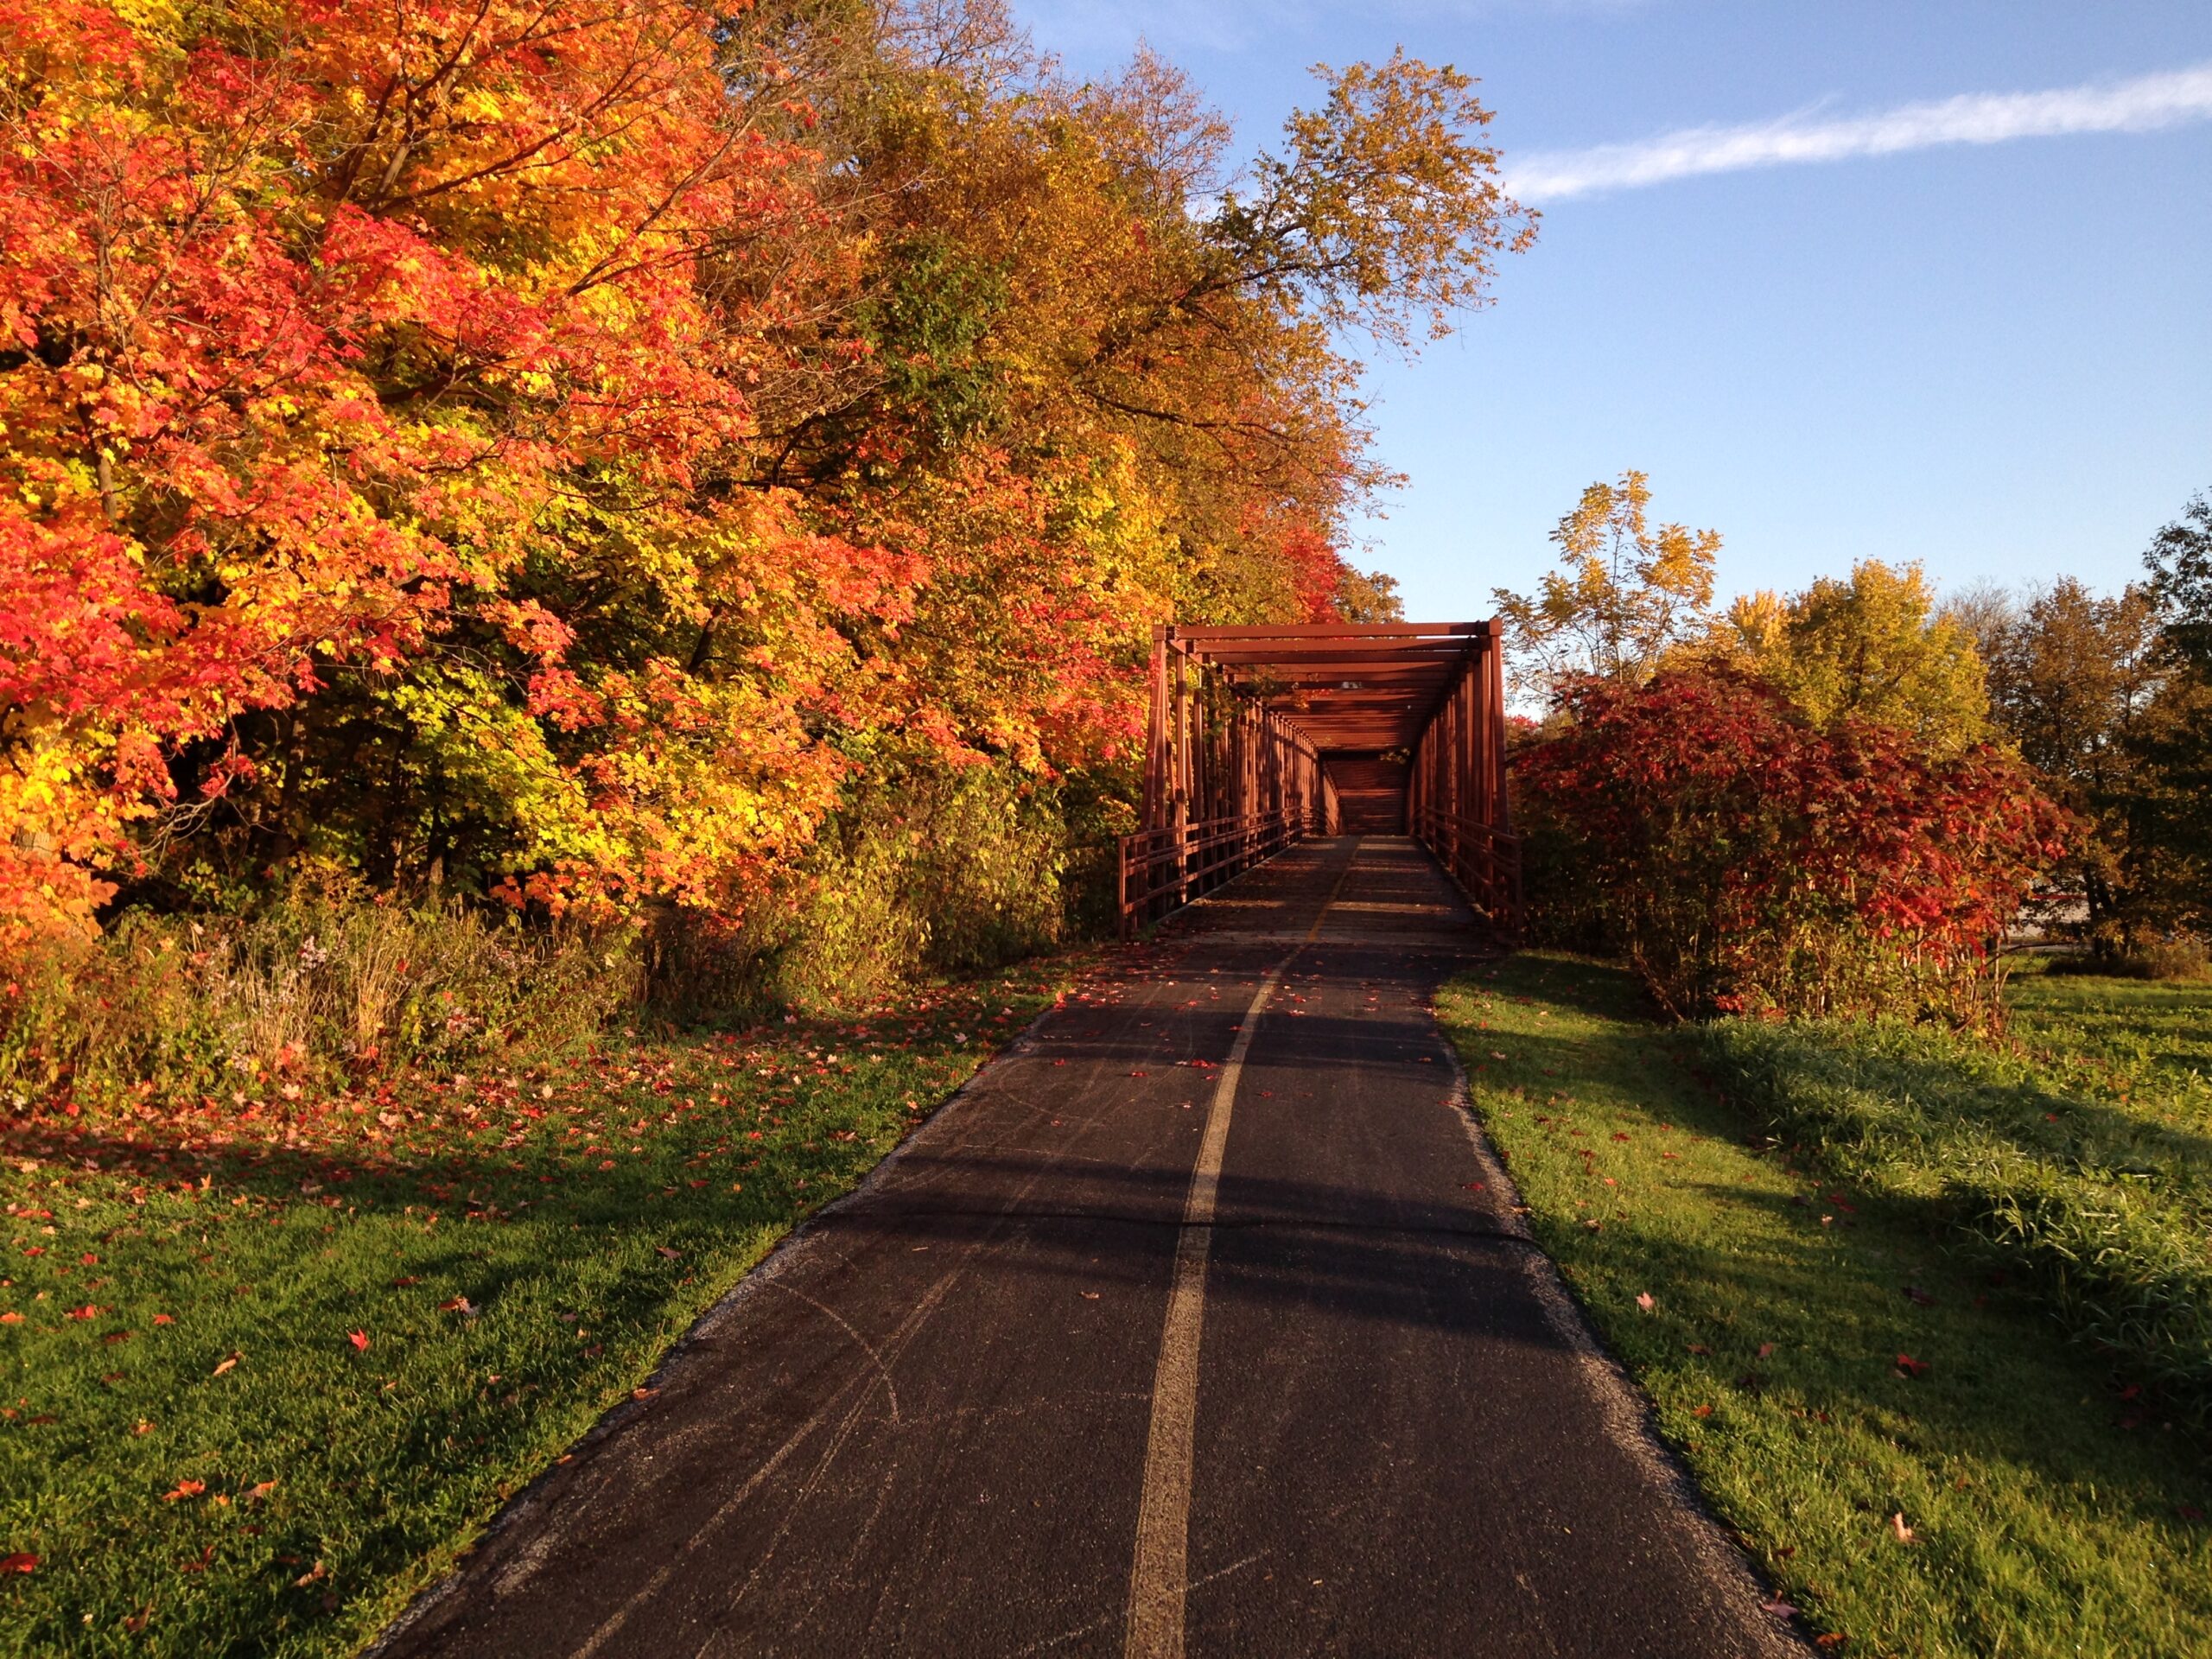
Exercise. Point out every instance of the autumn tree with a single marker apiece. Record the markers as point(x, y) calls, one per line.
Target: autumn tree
point(578, 454)
point(1627, 593)
point(1876, 648)
point(2073, 680)
point(2178, 745)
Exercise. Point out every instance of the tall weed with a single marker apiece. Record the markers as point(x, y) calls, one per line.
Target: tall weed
point(935, 872)
point(312, 986)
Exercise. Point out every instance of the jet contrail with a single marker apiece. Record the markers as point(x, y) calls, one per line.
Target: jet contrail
point(2143, 105)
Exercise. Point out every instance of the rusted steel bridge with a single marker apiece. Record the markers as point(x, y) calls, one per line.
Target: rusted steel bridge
point(1261, 735)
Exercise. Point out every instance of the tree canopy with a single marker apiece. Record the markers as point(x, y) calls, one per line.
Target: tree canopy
point(567, 453)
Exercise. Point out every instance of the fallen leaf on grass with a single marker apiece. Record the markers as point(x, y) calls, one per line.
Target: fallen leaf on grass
point(21, 1561)
point(1645, 1300)
point(225, 1364)
point(164, 1318)
point(1832, 1639)
point(1908, 1366)
point(258, 1491)
point(1897, 1526)
point(185, 1489)
point(360, 1339)
point(312, 1575)
point(1765, 1348)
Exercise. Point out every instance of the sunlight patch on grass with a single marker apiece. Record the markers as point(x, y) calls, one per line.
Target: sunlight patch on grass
point(1835, 1365)
point(261, 1384)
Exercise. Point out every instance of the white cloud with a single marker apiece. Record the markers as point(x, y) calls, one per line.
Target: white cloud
point(2143, 105)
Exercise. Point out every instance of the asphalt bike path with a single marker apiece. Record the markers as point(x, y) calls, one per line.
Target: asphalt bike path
point(1199, 1323)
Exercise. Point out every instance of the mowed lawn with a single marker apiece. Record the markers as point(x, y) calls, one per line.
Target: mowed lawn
point(1879, 1399)
point(267, 1366)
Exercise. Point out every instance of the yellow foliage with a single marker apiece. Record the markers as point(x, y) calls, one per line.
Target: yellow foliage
point(1873, 648)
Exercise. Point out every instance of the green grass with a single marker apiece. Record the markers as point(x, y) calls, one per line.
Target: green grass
point(208, 1461)
point(2122, 1038)
point(2049, 1512)
point(2082, 1150)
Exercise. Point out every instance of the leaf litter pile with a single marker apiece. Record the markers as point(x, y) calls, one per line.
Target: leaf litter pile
point(266, 1364)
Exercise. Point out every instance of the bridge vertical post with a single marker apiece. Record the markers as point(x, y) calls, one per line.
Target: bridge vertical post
point(1182, 780)
point(1155, 735)
point(1473, 707)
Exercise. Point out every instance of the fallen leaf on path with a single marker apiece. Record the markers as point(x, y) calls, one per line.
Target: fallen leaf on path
point(1779, 1607)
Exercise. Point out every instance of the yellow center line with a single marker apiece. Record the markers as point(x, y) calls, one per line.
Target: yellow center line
point(1161, 1572)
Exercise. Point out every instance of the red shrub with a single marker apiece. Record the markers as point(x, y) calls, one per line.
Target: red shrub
point(1745, 860)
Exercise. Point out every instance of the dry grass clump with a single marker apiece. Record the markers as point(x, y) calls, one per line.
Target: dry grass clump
point(312, 986)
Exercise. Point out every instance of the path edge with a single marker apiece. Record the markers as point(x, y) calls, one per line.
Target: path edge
point(534, 1494)
point(1625, 1409)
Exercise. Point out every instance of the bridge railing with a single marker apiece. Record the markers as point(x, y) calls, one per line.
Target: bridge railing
point(1162, 870)
point(1485, 862)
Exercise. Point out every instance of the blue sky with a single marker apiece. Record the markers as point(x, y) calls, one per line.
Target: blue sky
point(1994, 358)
